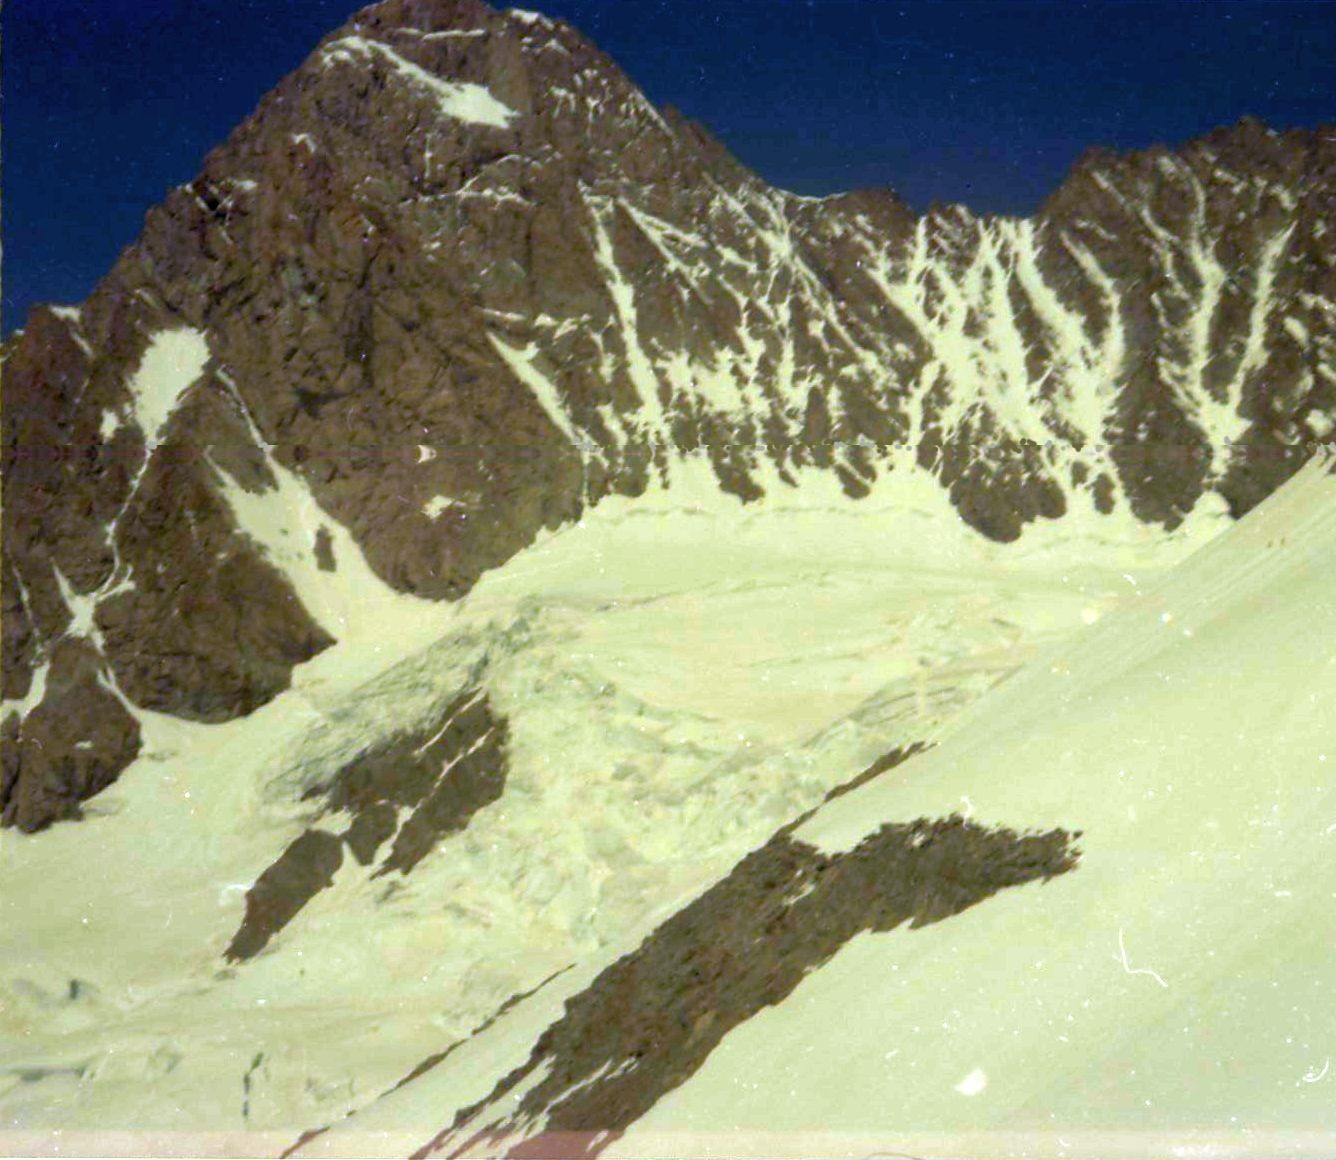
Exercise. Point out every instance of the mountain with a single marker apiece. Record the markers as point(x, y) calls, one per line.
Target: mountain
point(461, 281)
point(477, 518)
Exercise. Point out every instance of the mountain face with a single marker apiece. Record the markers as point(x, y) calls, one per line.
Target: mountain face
point(498, 529)
point(462, 281)
point(457, 281)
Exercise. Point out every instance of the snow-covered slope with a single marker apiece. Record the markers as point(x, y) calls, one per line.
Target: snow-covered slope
point(1169, 993)
point(678, 677)
point(1176, 990)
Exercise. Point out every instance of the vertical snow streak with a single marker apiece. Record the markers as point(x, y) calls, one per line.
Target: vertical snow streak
point(521, 364)
point(1254, 350)
point(283, 521)
point(1081, 370)
point(171, 364)
point(622, 293)
point(1007, 348)
point(1012, 397)
point(1217, 420)
point(978, 346)
point(1102, 366)
point(943, 330)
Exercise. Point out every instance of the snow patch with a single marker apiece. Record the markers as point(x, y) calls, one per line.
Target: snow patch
point(458, 100)
point(73, 317)
point(33, 697)
point(447, 34)
point(173, 362)
point(83, 609)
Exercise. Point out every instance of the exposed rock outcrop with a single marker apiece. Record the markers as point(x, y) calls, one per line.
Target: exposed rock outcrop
point(438, 776)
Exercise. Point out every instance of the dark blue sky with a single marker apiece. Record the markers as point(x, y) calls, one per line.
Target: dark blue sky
point(108, 103)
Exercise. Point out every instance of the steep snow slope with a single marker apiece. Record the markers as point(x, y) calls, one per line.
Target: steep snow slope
point(1176, 989)
point(1175, 979)
point(680, 674)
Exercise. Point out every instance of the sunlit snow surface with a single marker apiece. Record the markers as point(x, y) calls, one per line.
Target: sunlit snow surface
point(682, 675)
point(1172, 996)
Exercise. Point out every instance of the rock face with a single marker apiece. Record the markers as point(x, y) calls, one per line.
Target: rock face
point(439, 775)
point(460, 280)
point(79, 734)
point(651, 1019)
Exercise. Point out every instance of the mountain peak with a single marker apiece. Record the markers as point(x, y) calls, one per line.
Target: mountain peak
point(494, 549)
point(457, 281)
point(426, 16)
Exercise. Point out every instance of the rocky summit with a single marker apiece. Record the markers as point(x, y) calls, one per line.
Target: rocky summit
point(459, 560)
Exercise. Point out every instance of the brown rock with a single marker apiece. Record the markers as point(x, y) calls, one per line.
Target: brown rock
point(305, 868)
point(649, 1021)
point(69, 747)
